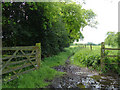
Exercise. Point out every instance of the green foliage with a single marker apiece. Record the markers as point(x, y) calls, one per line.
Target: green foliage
point(86, 57)
point(113, 39)
point(54, 24)
point(75, 19)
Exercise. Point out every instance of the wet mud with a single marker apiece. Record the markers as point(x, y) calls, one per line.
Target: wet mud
point(79, 77)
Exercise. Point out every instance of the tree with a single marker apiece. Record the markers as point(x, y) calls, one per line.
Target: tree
point(76, 18)
point(55, 25)
point(112, 39)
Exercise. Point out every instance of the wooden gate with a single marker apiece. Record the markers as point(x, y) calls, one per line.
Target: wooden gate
point(19, 60)
point(103, 54)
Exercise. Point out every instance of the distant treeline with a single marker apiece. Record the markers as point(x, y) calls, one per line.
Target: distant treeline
point(89, 43)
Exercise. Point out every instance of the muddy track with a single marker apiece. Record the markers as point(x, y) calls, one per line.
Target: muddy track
point(79, 77)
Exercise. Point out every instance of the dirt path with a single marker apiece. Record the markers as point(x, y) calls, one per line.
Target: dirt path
point(79, 77)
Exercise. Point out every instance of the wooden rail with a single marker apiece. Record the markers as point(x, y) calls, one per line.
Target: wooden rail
point(103, 54)
point(20, 60)
point(20, 48)
point(112, 48)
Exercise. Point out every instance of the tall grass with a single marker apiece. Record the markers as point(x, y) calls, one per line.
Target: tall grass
point(86, 57)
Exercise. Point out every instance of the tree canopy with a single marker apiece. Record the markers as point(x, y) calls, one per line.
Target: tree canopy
point(55, 25)
point(113, 39)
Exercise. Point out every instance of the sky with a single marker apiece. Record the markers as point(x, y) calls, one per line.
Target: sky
point(107, 17)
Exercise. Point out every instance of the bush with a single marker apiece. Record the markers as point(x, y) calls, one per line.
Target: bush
point(86, 57)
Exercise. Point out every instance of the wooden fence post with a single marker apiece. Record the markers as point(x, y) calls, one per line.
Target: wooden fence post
point(38, 54)
point(91, 47)
point(102, 54)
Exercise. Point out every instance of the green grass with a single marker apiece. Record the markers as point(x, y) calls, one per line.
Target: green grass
point(38, 78)
point(86, 57)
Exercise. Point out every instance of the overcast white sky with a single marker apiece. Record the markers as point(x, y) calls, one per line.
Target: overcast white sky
point(107, 17)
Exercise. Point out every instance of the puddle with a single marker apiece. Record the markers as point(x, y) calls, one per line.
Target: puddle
point(81, 80)
point(108, 82)
point(78, 77)
point(98, 81)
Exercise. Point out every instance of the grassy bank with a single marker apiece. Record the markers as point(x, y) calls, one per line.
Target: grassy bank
point(42, 77)
point(86, 57)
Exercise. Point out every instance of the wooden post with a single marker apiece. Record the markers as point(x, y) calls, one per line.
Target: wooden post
point(102, 54)
point(91, 47)
point(85, 45)
point(38, 54)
